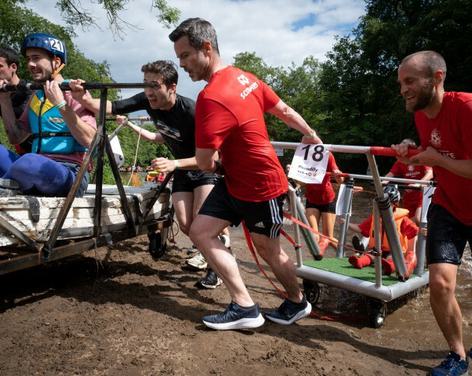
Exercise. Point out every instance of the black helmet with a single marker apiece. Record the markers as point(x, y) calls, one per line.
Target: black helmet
point(393, 193)
point(46, 42)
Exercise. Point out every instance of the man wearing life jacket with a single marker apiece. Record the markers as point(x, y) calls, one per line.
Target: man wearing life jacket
point(61, 128)
point(406, 230)
point(9, 64)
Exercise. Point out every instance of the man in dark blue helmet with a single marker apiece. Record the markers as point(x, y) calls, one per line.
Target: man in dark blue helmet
point(60, 127)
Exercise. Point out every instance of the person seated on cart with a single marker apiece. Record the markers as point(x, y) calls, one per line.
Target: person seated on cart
point(407, 232)
point(61, 128)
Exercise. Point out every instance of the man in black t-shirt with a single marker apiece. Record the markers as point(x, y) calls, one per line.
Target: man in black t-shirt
point(173, 116)
point(9, 63)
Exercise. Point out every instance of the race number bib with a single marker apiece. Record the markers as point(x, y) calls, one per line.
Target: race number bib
point(309, 163)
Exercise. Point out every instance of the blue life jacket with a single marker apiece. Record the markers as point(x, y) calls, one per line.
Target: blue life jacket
point(51, 135)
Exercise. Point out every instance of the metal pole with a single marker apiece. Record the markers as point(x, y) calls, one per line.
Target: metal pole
point(421, 241)
point(378, 245)
point(97, 210)
point(307, 235)
point(292, 197)
point(347, 205)
point(387, 219)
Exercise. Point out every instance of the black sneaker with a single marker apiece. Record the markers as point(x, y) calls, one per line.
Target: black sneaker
point(235, 317)
point(289, 312)
point(210, 281)
point(453, 365)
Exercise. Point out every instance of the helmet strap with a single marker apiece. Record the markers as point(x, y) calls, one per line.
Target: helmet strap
point(57, 71)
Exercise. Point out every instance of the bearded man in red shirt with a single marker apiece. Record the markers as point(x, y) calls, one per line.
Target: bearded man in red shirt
point(444, 124)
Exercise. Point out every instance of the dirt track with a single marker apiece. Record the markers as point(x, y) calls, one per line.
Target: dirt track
point(126, 314)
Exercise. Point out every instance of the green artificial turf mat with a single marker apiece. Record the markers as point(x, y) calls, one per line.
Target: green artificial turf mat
point(342, 266)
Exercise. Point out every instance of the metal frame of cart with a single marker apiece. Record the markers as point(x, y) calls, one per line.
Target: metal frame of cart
point(376, 289)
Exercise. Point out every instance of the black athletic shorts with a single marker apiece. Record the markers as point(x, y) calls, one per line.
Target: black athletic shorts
point(447, 237)
point(323, 208)
point(264, 218)
point(188, 180)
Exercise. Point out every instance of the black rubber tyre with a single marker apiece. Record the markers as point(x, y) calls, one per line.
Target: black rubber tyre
point(312, 291)
point(377, 313)
point(158, 243)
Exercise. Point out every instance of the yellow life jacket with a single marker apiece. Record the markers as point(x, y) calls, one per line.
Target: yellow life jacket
point(398, 215)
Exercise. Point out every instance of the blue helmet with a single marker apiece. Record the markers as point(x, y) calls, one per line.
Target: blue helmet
point(46, 42)
point(393, 193)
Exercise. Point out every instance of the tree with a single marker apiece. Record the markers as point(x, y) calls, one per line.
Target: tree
point(16, 22)
point(359, 80)
point(75, 13)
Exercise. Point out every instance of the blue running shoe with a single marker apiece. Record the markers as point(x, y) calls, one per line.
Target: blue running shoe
point(453, 365)
point(289, 312)
point(235, 317)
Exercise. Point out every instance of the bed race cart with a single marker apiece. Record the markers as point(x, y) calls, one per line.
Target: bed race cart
point(337, 271)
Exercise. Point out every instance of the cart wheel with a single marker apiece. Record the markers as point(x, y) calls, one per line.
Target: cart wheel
point(377, 313)
point(158, 243)
point(312, 291)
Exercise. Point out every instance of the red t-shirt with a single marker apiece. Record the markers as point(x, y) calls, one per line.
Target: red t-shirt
point(412, 198)
point(229, 117)
point(323, 193)
point(450, 133)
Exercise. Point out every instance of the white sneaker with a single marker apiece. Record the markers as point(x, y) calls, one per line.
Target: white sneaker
point(197, 262)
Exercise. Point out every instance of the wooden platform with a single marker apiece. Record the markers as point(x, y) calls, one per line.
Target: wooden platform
point(35, 216)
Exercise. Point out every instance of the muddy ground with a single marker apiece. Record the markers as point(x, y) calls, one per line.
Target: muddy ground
point(116, 311)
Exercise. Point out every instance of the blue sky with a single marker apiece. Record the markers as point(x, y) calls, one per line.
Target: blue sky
point(278, 31)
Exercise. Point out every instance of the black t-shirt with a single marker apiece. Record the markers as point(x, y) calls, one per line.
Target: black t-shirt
point(19, 98)
point(177, 126)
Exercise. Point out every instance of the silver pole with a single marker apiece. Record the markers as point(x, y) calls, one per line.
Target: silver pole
point(378, 245)
point(292, 197)
point(347, 205)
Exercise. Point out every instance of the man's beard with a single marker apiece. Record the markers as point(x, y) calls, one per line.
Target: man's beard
point(424, 98)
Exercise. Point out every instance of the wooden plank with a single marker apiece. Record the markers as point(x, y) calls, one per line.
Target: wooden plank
point(80, 217)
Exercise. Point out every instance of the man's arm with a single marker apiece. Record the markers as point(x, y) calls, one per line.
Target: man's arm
point(85, 99)
point(82, 131)
point(431, 157)
point(206, 159)
point(144, 133)
point(168, 165)
point(294, 120)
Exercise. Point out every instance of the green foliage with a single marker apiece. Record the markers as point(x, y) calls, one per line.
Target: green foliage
point(16, 22)
point(74, 13)
point(353, 97)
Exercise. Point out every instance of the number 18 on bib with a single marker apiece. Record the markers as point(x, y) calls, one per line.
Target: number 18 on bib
point(309, 163)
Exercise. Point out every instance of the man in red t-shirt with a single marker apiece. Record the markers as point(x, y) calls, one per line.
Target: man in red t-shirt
point(412, 198)
point(444, 124)
point(231, 133)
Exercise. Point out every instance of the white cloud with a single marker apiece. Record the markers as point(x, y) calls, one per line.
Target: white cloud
point(261, 26)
